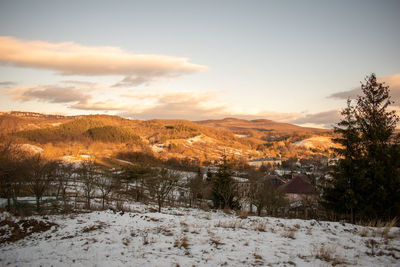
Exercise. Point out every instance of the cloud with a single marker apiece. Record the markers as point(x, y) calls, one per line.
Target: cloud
point(176, 105)
point(7, 84)
point(80, 83)
point(193, 106)
point(393, 81)
point(69, 58)
point(152, 103)
point(48, 93)
point(325, 119)
point(107, 105)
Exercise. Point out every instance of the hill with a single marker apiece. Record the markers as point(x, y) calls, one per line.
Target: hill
point(201, 141)
point(189, 237)
point(258, 125)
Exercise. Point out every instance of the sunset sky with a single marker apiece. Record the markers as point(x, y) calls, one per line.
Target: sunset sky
point(289, 61)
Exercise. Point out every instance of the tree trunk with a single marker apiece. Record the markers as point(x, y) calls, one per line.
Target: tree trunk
point(159, 206)
point(37, 203)
point(88, 203)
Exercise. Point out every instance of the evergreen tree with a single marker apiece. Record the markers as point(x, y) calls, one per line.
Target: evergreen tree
point(341, 193)
point(376, 126)
point(224, 188)
point(366, 179)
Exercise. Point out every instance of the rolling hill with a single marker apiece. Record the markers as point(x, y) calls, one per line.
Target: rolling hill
point(258, 125)
point(195, 140)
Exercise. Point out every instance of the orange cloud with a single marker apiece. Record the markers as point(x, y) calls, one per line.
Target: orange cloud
point(69, 58)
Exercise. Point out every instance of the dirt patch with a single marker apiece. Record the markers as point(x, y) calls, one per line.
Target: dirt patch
point(11, 231)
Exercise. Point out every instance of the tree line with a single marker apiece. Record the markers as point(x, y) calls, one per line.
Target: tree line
point(72, 186)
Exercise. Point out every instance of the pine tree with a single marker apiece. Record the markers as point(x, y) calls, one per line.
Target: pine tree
point(376, 126)
point(341, 195)
point(224, 188)
point(366, 179)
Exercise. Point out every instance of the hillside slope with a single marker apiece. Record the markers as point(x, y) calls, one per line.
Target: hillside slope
point(199, 141)
point(259, 125)
point(189, 237)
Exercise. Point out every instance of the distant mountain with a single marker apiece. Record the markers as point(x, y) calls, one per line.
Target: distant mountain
point(258, 125)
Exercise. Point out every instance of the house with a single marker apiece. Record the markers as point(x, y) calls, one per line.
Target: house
point(297, 188)
point(273, 179)
point(265, 161)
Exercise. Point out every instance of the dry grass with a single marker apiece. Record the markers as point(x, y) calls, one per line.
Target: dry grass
point(145, 239)
point(216, 241)
point(207, 217)
point(126, 241)
point(260, 226)
point(242, 214)
point(376, 228)
point(364, 232)
point(205, 207)
point(95, 227)
point(257, 256)
point(289, 233)
point(328, 254)
point(234, 224)
point(227, 211)
point(387, 227)
point(309, 231)
point(182, 242)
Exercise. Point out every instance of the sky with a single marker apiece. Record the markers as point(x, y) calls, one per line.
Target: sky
point(288, 61)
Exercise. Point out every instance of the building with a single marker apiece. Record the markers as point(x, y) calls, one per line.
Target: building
point(265, 161)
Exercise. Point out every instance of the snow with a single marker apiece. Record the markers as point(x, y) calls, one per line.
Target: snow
point(143, 238)
point(320, 142)
point(158, 148)
point(195, 139)
point(241, 135)
point(31, 148)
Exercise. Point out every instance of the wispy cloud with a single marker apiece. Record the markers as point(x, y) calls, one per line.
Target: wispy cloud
point(7, 84)
point(324, 119)
point(393, 81)
point(176, 105)
point(153, 103)
point(193, 106)
point(79, 83)
point(107, 105)
point(48, 93)
point(69, 58)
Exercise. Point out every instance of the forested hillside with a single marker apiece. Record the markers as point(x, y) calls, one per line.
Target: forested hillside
point(202, 141)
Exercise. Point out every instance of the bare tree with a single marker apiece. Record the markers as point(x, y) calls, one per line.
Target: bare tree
point(64, 176)
point(10, 172)
point(263, 194)
point(135, 176)
point(40, 174)
point(161, 185)
point(88, 176)
point(106, 183)
point(196, 187)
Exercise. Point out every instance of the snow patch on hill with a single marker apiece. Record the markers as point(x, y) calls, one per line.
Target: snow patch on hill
point(316, 142)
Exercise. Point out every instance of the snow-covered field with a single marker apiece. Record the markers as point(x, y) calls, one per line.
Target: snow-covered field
point(190, 237)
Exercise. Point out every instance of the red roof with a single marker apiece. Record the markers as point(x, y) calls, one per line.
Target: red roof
point(298, 185)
